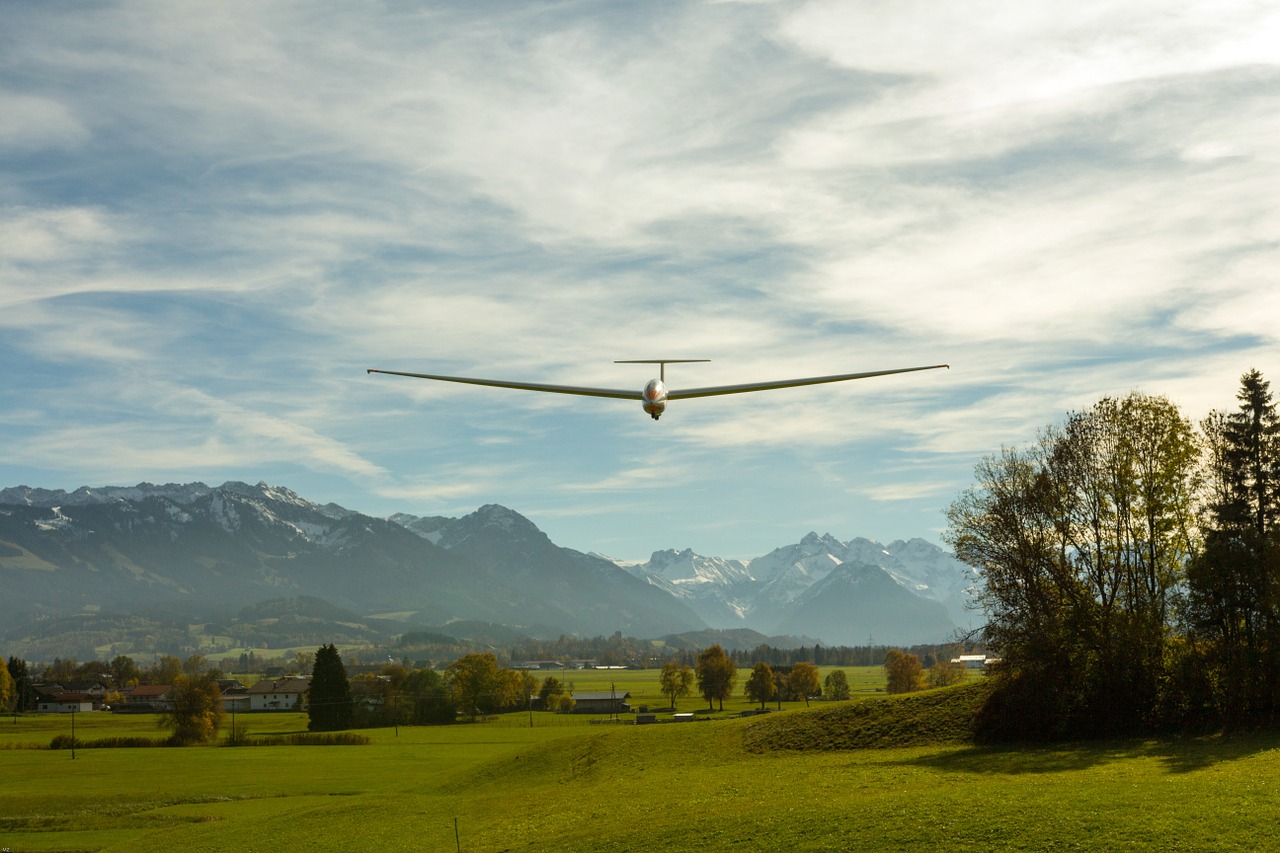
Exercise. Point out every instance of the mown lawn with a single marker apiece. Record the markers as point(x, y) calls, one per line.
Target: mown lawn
point(720, 784)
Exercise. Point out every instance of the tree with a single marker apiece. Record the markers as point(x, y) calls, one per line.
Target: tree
point(511, 693)
point(62, 669)
point(1081, 543)
point(1234, 583)
point(717, 674)
point(836, 685)
point(196, 710)
point(164, 670)
point(550, 692)
point(124, 672)
point(92, 670)
point(329, 707)
point(24, 697)
point(676, 680)
point(903, 671)
point(944, 673)
point(760, 686)
point(8, 694)
point(476, 684)
point(428, 698)
point(395, 674)
point(803, 680)
point(195, 666)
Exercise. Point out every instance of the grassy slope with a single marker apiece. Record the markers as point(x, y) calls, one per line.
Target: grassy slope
point(730, 784)
point(917, 719)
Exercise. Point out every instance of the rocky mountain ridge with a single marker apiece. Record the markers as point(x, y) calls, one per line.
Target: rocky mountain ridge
point(200, 550)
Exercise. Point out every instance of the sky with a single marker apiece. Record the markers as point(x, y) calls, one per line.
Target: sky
point(215, 217)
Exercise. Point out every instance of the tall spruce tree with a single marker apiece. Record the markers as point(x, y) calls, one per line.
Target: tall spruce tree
point(329, 707)
point(1234, 584)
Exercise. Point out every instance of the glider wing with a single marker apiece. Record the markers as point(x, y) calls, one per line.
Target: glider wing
point(716, 390)
point(614, 393)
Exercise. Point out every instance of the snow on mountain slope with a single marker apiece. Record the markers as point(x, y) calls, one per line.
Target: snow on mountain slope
point(762, 593)
point(238, 539)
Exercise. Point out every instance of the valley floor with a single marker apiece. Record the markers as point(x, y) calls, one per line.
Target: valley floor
point(670, 788)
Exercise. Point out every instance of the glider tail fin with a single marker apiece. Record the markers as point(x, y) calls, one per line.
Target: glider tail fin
point(662, 362)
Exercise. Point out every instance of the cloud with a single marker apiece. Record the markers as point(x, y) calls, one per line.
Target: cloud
point(218, 220)
point(33, 123)
point(909, 491)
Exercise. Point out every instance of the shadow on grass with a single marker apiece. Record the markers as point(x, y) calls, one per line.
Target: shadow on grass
point(1177, 754)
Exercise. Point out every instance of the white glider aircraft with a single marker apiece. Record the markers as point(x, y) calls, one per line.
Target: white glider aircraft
point(655, 394)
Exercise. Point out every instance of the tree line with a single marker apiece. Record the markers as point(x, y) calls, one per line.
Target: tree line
point(1130, 569)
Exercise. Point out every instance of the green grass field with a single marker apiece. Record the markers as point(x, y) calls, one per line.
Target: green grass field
point(703, 786)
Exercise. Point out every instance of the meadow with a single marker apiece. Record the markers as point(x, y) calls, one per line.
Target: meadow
point(566, 784)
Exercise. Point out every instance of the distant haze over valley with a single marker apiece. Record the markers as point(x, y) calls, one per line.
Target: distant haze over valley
point(205, 553)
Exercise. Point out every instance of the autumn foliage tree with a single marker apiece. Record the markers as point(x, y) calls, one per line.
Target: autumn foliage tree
point(8, 691)
point(478, 685)
point(717, 674)
point(1081, 541)
point(760, 685)
point(196, 710)
point(676, 680)
point(803, 680)
point(944, 673)
point(903, 671)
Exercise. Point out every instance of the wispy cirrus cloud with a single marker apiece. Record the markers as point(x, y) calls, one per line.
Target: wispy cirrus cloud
point(215, 221)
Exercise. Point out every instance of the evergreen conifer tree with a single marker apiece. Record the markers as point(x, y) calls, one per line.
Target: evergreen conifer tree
point(329, 707)
point(1234, 583)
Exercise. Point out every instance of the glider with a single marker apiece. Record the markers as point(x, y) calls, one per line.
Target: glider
point(655, 394)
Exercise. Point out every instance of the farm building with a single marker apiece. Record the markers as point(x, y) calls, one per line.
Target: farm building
point(47, 692)
point(65, 703)
point(149, 697)
point(235, 701)
point(601, 702)
point(279, 694)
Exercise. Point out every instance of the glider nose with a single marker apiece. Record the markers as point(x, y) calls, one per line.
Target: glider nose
point(655, 398)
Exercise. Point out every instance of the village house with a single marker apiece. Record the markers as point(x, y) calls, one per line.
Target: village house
point(64, 703)
point(47, 692)
point(149, 697)
point(234, 695)
point(601, 702)
point(279, 694)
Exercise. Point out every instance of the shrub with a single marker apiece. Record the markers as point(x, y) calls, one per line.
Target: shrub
point(65, 742)
point(308, 739)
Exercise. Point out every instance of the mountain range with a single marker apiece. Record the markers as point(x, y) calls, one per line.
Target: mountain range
point(206, 553)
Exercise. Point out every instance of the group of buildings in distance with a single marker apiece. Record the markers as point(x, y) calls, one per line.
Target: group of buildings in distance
point(284, 693)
